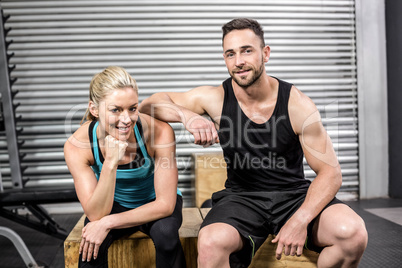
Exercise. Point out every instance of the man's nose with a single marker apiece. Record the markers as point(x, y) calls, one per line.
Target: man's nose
point(239, 60)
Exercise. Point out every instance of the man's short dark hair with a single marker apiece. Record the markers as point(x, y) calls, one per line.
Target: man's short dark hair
point(241, 24)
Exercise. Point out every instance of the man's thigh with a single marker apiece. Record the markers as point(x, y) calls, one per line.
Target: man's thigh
point(239, 214)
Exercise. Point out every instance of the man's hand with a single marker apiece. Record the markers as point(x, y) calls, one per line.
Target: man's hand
point(93, 234)
point(203, 130)
point(291, 238)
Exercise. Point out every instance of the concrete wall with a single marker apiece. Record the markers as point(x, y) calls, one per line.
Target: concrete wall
point(372, 98)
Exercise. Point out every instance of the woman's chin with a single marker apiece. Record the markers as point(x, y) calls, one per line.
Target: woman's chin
point(121, 136)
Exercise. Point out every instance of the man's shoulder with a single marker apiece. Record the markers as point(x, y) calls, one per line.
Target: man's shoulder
point(300, 100)
point(210, 89)
point(280, 81)
point(301, 109)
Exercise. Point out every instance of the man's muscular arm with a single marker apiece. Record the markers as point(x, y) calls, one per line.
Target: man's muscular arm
point(321, 157)
point(187, 108)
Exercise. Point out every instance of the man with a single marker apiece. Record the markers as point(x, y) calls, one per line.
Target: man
point(265, 126)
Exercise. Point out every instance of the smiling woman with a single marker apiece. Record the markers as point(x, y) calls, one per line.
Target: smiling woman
point(115, 159)
point(119, 109)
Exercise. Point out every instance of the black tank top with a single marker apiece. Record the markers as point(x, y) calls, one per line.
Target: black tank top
point(260, 157)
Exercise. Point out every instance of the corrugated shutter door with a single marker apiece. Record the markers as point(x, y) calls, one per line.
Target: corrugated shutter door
point(170, 46)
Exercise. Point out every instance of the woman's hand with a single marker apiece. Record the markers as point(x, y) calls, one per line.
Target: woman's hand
point(93, 235)
point(114, 149)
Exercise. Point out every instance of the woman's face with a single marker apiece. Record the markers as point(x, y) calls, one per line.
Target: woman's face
point(118, 113)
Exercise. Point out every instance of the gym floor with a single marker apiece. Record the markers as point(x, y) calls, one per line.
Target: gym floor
point(383, 219)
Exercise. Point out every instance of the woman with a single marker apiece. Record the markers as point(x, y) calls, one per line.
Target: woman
point(124, 173)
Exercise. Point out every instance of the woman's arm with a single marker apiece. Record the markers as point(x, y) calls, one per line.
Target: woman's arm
point(161, 146)
point(96, 197)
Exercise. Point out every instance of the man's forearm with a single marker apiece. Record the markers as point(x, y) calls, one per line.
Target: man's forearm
point(321, 191)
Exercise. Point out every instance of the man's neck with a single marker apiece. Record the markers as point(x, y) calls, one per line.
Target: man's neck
point(263, 89)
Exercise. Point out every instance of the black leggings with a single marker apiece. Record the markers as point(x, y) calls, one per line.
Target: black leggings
point(163, 232)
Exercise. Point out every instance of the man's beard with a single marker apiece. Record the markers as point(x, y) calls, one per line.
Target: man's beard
point(244, 83)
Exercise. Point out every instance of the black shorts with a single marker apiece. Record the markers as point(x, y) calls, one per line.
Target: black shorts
point(255, 215)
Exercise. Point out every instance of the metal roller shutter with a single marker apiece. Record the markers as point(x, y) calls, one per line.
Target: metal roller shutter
point(170, 45)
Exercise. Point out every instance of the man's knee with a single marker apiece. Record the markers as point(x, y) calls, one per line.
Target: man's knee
point(206, 241)
point(219, 237)
point(208, 247)
point(360, 236)
point(352, 235)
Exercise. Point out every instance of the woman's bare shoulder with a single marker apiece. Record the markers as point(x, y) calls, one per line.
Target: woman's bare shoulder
point(79, 140)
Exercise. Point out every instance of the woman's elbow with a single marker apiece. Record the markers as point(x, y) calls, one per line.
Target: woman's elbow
point(92, 217)
point(96, 214)
point(167, 209)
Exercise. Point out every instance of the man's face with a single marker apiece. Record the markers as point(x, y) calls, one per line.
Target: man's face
point(244, 56)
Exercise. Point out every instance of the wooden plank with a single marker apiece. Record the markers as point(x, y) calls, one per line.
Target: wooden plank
point(137, 250)
point(132, 253)
point(204, 212)
point(189, 235)
point(191, 222)
point(265, 256)
point(210, 176)
point(141, 245)
point(72, 245)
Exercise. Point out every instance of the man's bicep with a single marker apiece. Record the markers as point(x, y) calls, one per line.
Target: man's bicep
point(317, 145)
point(192, 100)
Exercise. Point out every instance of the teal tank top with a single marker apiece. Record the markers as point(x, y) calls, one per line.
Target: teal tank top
point(134, 187)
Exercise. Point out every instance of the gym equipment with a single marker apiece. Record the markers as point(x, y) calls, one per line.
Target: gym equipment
point(18, 196)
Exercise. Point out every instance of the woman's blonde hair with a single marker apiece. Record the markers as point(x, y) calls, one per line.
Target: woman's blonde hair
point(104, 83)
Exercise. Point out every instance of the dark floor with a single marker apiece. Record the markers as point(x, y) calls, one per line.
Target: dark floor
point(384, 247)
point(46, 250)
